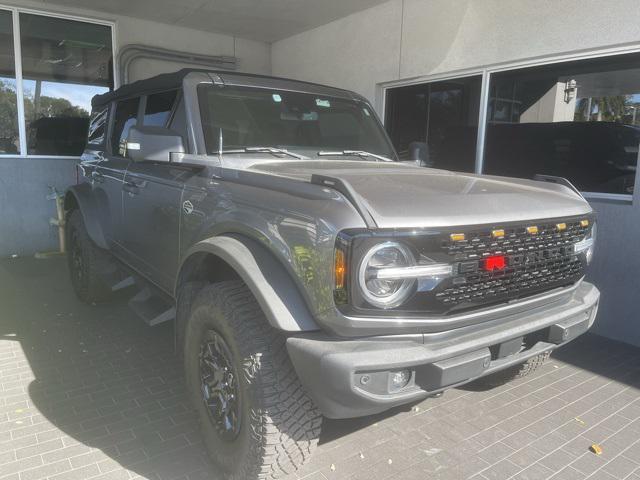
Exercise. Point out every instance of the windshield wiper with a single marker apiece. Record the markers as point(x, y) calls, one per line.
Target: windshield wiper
point(272, 150)
point(355, 153)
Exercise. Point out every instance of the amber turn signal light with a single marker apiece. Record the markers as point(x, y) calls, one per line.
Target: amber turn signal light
point(340, 269)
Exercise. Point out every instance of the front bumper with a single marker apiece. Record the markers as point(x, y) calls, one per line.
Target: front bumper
point(351, 378)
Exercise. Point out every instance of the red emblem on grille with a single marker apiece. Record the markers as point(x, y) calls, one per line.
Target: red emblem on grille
point(497, 262)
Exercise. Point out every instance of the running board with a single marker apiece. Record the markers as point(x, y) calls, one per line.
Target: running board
point(152, 309)
point(124, 283)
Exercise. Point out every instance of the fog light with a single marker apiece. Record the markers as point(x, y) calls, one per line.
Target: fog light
point(400, 379)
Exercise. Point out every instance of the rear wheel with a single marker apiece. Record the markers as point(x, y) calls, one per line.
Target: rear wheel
point(257, 420)
point(86, 262)
point(517, 371)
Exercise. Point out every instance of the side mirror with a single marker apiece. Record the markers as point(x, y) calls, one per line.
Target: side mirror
point(419, 153)
point(152, 144)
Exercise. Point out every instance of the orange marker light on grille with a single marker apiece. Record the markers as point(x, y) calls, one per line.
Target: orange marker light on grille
point(340, 268)
point(584, 223)
point(457, 237)
point(498, 233)
point(561, 226)
point(532, 230)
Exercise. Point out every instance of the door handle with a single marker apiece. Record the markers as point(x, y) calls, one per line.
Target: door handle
point(131, 188)
point(97, 176)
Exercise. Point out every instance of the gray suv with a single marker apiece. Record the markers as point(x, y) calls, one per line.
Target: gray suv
point(309, 273)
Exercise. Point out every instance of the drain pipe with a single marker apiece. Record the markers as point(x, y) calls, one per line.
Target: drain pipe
point(132, 52)
point(56, 222)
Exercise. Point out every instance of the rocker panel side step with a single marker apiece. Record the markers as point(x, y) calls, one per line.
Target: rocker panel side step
point(151, 308)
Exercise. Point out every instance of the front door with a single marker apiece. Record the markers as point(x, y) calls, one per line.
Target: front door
point(152, 195)
point(152, 203)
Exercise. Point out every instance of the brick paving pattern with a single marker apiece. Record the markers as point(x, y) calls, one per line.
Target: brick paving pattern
point(89, 392)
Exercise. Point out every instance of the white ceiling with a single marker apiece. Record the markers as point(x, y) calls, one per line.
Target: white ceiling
point(264, 20)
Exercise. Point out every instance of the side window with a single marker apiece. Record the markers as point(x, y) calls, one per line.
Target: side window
point(158, 108)
point(126, 116)
point(178, 123)
point(97, 126)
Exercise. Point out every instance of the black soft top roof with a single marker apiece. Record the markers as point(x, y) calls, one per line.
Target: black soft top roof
point(167, 81)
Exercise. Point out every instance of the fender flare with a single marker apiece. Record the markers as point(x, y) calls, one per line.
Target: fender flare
point(89, 211)
point(271, 284)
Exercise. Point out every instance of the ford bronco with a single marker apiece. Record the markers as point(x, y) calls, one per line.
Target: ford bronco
point(307, 270)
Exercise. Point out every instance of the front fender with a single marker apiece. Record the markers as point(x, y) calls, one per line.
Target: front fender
point(268, 280)
point(86, 203)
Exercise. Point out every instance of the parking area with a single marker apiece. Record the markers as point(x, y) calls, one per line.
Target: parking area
point(91, 392)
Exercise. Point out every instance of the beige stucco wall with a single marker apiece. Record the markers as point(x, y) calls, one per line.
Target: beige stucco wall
point(409, 38)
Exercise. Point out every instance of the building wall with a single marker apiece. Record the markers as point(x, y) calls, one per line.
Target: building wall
point(24, 209)
point(402, 39)
point(405, 39)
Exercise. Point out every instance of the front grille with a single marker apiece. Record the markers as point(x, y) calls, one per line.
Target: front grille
point(535, 262)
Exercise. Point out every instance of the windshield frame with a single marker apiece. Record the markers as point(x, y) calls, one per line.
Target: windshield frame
point(211, 143)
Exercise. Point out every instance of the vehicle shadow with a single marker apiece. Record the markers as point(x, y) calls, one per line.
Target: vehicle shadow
point(106, 390)
point(101, 385)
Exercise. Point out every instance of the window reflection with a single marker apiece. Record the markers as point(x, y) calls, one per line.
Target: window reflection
point(9, 140)
point(65, 63)
point(444, 115)
point(576, 120)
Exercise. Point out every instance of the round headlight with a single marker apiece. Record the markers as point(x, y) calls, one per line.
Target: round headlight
point(385, 293)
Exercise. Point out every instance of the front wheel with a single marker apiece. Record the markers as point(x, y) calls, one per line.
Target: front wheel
point(257, 420)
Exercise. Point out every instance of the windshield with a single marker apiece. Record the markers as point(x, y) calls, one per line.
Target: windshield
point(300, 122)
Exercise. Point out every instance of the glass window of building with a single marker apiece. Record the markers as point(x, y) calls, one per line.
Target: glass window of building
point(9, 137)
point(579, 120)
point(64, 64)
point(444, 115)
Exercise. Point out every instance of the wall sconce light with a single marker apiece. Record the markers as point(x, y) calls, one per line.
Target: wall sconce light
point(570, 90)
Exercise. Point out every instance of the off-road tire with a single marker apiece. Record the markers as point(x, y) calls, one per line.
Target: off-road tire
point(85, 277)
point(514, 372)
point(187, 293)
point(279, 423)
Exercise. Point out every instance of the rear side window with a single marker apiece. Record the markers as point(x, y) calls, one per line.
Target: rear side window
point(97, 126)
point(126, 115)
point(158, 109)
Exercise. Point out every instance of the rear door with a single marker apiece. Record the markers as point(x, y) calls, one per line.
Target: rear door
point(152, 197)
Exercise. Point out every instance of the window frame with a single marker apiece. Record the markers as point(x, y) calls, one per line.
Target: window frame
point(113, 106)
point(17, 51)
point(145, 97)
point(486, 71)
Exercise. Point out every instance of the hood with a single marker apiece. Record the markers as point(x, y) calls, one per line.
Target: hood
point(401, 196)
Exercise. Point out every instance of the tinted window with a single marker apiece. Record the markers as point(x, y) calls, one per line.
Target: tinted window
point(125, 117)
point(303, 122)
point(64, 64)
point(158, 108)
point(577, 120)
point(97, 126)
point(178, 123)
point(9, 141)
point(442, 114)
